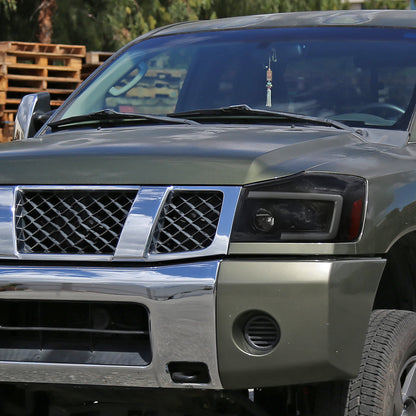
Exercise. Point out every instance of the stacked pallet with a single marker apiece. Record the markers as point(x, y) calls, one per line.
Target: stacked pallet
point(92, 61)
point(157, 92)
point(26, 68)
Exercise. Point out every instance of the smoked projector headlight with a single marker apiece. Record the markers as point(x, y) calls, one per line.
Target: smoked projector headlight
point(301, 208)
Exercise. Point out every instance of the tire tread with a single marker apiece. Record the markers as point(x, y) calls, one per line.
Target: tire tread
point(366, 395)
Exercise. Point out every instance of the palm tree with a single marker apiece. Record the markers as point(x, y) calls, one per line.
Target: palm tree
point(47, 10)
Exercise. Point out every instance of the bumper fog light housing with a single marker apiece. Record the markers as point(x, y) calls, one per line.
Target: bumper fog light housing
point(256, 332)
point(262, 332)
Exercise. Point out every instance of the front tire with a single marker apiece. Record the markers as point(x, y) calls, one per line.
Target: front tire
point(386, 384)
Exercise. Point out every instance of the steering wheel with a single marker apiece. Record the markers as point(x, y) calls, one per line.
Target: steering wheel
point(385, 110)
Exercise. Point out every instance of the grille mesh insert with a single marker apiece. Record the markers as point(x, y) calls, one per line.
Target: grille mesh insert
point(188, 222)
point(71, 222)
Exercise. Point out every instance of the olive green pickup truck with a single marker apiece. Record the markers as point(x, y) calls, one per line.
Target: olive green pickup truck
point(220, 220)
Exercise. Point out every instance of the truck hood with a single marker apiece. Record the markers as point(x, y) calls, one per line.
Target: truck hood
point(176, 155)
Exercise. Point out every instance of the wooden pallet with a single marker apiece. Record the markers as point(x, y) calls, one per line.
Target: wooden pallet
point(42, 54)
point(7, 123)
point(43, 48)
point(8, 126)
point(31, 67)
point(97, 58)
point(27, 68)
point(92, 61)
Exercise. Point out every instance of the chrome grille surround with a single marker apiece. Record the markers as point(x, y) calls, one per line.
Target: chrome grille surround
point(188, 222)
point(140, 231)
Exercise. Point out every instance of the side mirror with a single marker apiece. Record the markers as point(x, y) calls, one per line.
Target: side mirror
point(31, 114)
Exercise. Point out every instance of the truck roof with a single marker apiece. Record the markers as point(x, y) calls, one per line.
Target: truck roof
point(369, 18)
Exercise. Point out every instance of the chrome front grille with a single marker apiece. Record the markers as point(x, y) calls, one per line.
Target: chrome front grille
point(115, 223)
point(71, 222)
point(188, 222)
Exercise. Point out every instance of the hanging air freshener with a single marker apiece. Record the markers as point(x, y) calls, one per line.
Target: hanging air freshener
point(269, 77)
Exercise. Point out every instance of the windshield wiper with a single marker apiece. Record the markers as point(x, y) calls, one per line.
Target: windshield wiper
point(110, 116)
point(245, 110)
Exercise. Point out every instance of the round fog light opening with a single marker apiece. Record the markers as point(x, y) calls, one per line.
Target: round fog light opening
point(262, 332)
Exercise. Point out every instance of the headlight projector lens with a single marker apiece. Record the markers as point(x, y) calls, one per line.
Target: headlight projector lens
point(264, 220)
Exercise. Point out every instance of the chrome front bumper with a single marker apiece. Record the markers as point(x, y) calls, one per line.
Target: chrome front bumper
point(322, 308)
point(181, 304)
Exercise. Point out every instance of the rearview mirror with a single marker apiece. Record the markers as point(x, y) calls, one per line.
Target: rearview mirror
point(31, 115)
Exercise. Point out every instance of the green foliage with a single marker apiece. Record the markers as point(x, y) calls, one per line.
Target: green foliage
point(245, 7)
point(19, 21)
point(386, 4)
point(107, 24)
point(8, 6)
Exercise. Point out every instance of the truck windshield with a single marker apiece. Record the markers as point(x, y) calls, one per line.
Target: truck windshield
point(358, 76)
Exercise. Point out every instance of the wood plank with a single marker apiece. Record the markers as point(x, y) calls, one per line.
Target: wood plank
point(35, 90)
point(6, 59)
point(8, 129)
point(56, 103)
point(34, 78)
point(97, 58)
point(31, 54)
point(48, 67)
point(9, 115)
point(11, 104)
point(3, 83)
point(12, 101)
